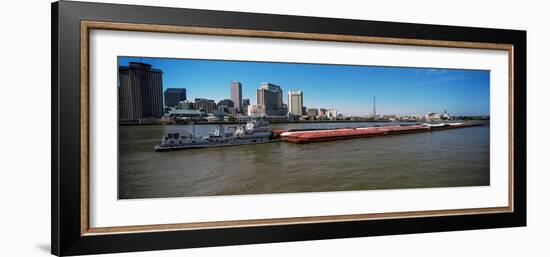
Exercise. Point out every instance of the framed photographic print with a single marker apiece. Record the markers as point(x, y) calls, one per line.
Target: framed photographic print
point(177, 128)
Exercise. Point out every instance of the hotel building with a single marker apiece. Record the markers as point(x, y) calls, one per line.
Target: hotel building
point(269, 98)
point(139, 92)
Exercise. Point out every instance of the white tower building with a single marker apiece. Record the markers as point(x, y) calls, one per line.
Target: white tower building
point(295, 102)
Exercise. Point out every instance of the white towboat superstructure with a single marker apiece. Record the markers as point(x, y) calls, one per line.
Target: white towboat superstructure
point(254, 132)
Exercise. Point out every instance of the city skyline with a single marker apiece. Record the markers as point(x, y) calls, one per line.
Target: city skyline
point(349, 89)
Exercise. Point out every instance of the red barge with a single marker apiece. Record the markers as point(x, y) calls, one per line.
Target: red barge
point(350, 133)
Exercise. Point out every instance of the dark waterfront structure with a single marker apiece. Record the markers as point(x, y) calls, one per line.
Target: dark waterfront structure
point(237, 95)
point(139, 92)
point(172, 96)
point(184, 114)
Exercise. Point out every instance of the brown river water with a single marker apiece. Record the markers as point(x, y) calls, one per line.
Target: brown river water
point(447, 158)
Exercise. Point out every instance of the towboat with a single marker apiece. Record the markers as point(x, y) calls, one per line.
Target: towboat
point(254, 132)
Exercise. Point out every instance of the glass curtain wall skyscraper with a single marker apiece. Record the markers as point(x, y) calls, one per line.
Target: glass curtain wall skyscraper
point(172, 96)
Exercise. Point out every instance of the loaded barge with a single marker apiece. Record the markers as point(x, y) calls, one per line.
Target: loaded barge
point(258, 131)
point(350, 133)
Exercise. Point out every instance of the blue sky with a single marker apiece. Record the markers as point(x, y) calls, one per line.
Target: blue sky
point(349, 89)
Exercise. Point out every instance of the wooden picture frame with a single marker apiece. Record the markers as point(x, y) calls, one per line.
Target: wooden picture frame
point(71, 25)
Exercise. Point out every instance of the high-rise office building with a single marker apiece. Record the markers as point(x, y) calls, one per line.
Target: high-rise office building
point(295, 102)
point(172, 96)
point(205, 105)
point(332, 114)
point(139, 92)
point(312, 112)
point(237, 95)
point(323, 112)
point(246, 104)
point(269, 98)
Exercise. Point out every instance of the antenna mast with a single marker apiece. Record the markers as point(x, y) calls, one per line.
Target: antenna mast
point(374, 107)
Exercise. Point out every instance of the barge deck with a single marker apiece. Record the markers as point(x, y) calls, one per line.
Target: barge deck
point(312, 136)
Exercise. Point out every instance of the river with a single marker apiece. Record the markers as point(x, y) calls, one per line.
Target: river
point(447, 158)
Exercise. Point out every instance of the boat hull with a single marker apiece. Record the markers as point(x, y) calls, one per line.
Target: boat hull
point(159, 148)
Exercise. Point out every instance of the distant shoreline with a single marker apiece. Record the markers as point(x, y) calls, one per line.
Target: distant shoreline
point(289, 122)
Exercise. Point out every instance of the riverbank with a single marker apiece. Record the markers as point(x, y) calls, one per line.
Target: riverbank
point(234, 122)
point(292, 122)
